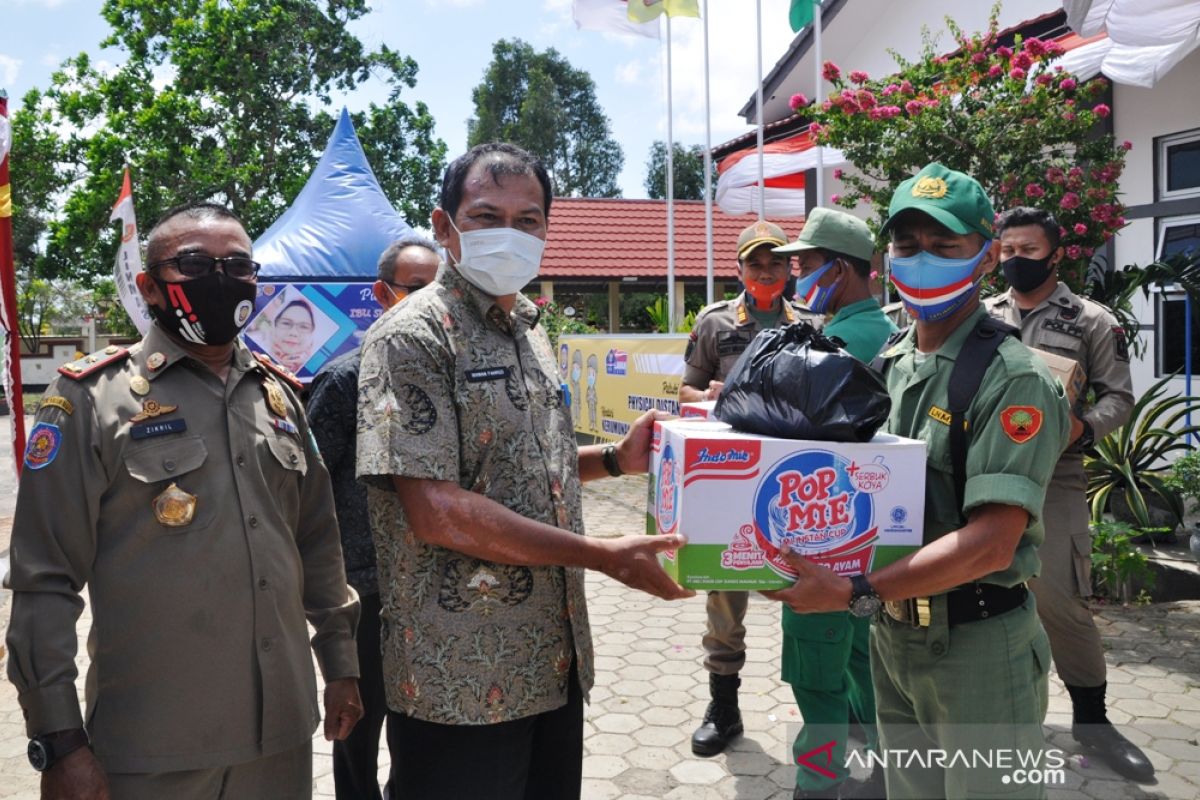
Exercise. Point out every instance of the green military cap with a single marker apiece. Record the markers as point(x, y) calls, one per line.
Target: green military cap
point(953, 198)
point(761, 232)
point(836, 231)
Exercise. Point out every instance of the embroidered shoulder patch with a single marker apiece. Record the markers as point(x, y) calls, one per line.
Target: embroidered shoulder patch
point(44, 441)
point(1021, 423)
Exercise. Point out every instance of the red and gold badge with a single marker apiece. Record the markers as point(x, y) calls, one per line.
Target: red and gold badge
point(1021, 423)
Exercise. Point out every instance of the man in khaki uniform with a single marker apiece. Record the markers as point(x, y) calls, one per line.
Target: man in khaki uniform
point(178, 482)
point(959, 659)
point(1052, 318)
point(722, 331)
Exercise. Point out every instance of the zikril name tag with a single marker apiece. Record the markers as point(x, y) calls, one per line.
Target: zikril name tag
point(145, 430)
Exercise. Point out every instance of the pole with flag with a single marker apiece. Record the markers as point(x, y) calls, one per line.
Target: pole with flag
point(8, 295)
point(708, 192)
point(129, 258)
point(801, 13)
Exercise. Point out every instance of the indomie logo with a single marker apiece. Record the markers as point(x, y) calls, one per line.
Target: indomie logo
point(730, 456)
point(813, 502)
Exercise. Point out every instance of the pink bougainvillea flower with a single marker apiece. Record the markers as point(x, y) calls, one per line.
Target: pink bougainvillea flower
point(1126, 145)
point(1067, 84)
point(1045, 79)
point(833, 198)
point(1022, 60)
point(890, 90)
point(995, 71)
point(913, 107)
point(830, 71)
point(837, 173)
point(978, 58)
point(906, 87)
point(858, 76)
point(1074, 251)
point(1004, 52)
point(1034, 190)
point(1101, 110)
point(1017, 74)
point(1035, 47)
point(1080, 229)
point(798, 101)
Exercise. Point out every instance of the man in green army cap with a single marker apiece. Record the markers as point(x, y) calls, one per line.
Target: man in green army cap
point(826, 657)
point(958, 655)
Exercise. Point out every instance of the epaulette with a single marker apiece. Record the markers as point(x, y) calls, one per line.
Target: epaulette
point(279, 370)
point(90, 363)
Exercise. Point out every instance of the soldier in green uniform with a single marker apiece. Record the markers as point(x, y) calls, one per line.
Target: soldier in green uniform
point(722, 331)
point(826, 657)
point(1053, 318)
point(959, 658)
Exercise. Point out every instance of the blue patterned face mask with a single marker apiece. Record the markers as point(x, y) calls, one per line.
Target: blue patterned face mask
point(933, 287)
point(817, 297)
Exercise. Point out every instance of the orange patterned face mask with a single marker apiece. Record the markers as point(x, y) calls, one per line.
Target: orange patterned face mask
point(765, 294)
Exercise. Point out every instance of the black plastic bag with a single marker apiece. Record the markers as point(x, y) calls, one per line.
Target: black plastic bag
point(795, 383)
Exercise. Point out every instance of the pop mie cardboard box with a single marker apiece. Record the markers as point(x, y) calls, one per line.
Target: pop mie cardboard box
point(737, 497)
point(701, 409)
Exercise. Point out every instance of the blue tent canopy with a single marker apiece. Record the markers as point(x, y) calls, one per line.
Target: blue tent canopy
point(338, 225)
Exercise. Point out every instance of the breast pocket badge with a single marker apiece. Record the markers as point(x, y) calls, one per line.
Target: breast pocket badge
point(175, 508)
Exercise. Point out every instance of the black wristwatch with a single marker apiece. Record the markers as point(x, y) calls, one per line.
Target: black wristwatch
point(1086, 439)
point(45, 751)
point(864, 602)
point(608, 455)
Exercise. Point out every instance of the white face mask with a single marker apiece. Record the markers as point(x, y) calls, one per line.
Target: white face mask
point(500, 261)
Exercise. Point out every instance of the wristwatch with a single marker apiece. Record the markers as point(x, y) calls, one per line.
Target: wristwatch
point(45, 751)
point(1087, 438)
point(608, 455)
point(864, 602)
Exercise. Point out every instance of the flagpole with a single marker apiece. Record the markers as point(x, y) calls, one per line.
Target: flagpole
point(8, 287)
point(708, 195)
point(758, 100)
point(670, 195)
point(819, 98)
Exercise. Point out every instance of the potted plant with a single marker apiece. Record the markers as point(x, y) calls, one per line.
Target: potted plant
point(1185, 479)
point(1127, 464)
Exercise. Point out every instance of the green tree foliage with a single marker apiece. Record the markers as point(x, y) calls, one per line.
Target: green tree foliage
point(1029, 132)
point(542, 103)
point(687, 168)
point(215, 101)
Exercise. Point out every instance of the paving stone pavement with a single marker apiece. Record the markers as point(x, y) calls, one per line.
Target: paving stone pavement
point(651, 691)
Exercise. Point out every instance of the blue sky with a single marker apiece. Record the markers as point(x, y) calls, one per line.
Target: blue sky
point(451, 41)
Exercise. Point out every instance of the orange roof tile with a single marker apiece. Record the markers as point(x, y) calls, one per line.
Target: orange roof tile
point(609, 239)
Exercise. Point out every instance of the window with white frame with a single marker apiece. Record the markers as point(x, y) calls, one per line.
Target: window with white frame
point(1176, 236)
point(1178, 165)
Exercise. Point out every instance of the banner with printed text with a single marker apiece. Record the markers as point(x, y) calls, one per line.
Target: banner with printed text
point(610, 381)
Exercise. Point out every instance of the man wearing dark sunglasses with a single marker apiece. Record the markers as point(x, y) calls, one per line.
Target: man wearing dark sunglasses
point(178, 481)
point(404, 267)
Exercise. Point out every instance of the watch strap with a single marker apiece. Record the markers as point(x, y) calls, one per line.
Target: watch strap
point(608, 455)
point(58, 745)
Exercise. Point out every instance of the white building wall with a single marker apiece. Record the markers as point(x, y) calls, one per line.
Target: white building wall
point(1139, 116)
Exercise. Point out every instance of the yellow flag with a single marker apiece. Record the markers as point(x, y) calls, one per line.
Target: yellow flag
point(647, 10)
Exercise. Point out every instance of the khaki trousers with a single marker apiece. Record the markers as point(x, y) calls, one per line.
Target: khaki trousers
point(1066, 579)
point(725, 641)
point(282, 776)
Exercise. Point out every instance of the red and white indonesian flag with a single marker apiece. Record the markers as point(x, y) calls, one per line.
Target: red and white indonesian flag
point(784, 164)
point(611, 16)
point(5, 137)
point(129, 259)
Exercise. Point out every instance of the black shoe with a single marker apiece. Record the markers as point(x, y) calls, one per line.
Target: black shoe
point(1123, 756)
point(871, 788)
point(722, 720)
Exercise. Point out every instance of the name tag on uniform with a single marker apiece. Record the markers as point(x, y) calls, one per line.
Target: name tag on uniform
point(1063, 327)
point(487, 374)
point(145, 430)
point(732, 343)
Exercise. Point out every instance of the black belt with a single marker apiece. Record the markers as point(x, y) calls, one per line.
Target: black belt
point(965, 604)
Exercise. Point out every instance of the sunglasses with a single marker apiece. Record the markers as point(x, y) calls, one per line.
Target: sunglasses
point(196, 265)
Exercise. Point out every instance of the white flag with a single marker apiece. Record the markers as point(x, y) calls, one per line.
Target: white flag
point(129, 259)
point(611, 16)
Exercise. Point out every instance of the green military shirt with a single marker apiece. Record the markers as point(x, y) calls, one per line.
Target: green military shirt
point(863, 327)
point(452, 388)
point(200, 653)
point(1018, 426)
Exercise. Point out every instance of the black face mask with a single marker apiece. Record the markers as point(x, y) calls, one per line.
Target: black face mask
point(1026, 274)
point(208, 310)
